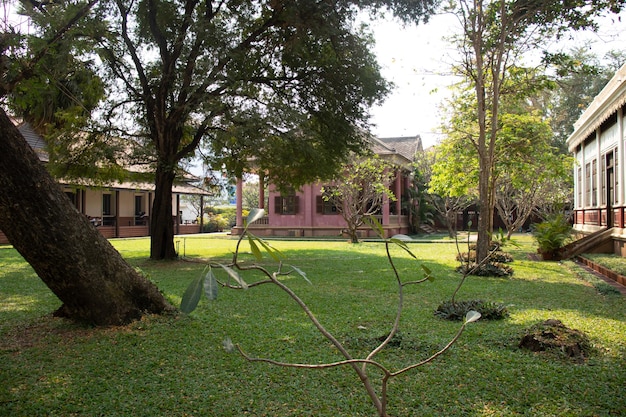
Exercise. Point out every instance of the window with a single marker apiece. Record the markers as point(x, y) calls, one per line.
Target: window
point(587, 185)
point(616, 193)
point(106, 204)
point(287, 204)
point(580, 188)
point(323, 203)
point(603, 180)
point(594, 183)
point(139, 205)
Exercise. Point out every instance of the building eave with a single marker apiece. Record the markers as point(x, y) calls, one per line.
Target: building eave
point(604, 105)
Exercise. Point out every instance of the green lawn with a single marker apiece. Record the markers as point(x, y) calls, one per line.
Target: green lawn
point(176, 366)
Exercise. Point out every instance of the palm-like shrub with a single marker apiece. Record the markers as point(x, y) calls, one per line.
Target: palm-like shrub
point(552, 235)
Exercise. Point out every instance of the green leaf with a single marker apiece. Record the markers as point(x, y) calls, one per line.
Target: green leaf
point(255, 248)
point(234, 275)
point(192, 295)
point(254, 215)
point(301, 273)
point(375, 225)
point(427, 273)
point(472, 316)
point(272, 251)
point(403, 245)
point(210, 285)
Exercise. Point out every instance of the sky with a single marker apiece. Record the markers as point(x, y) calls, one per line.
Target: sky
point(416, 59)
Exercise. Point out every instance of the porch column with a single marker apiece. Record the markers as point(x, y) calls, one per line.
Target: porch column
point(201, 212)
point(261, 191)
point(239, 201)
point(598, 173)
point(398, 193)
point(178, 218)
point(149, 212)
point(619, 174)
point(117, 213)
point(385, 210)
point(309, 205)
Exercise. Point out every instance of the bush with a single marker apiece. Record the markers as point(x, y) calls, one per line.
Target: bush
point(457, 310)
point(497, 256)
point(216, 223)
point(491, 269)
point(552, 235)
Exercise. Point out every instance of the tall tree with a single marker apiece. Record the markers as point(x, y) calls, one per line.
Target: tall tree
point(495, 35)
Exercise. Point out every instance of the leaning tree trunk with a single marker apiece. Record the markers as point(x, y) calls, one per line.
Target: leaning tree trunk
point(73, 259)
point(161, 222)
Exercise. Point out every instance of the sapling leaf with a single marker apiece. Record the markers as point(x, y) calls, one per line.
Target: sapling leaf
point(374, 224)
point(254, 215)
point(272, 251)
point(301, 273)
point(210, 285)
point(403, 245)
point(192, 295)
point(427, 273)
point(255, 248)
point(472, 316)
point(234, 275)
point(402, 237)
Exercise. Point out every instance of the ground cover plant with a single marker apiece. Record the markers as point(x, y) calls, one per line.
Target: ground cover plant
point(175, 365)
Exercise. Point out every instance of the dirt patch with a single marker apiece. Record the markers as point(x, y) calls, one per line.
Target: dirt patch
point(553, 337)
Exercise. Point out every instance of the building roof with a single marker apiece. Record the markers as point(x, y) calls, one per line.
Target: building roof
point(34, 140)
point(603, 106)
point(38, 144)
point(401, 150)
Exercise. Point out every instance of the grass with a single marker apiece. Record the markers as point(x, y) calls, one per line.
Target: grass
point(176, 365)
point(613, 262)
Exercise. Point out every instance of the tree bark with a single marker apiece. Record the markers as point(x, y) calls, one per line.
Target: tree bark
point(73, 259)
point(162, 225)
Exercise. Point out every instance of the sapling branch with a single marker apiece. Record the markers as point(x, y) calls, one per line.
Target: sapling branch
point(358, 365)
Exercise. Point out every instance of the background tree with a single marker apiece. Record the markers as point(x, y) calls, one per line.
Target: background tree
point(580, 76)
point(495, 35)
point(452, 182)
point(359, 190)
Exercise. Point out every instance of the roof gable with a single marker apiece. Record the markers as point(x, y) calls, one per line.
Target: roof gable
point(404, 147)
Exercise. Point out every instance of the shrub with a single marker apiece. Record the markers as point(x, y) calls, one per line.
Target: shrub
point(491, 269)
point(457, 310)
point(497, 256)
point(216, 223)
point(552, 235)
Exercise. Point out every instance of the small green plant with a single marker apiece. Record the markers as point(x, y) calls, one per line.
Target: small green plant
point(552, 235)
point(456, 311)
point(208, 284)
point(496, 256)
point(486, 269)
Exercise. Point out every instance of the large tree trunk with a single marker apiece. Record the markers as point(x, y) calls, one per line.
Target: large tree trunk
point(73, 259)
point(162, 225)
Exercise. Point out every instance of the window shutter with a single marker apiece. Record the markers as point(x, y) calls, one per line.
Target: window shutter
point(278, 205)
point(319, 204)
